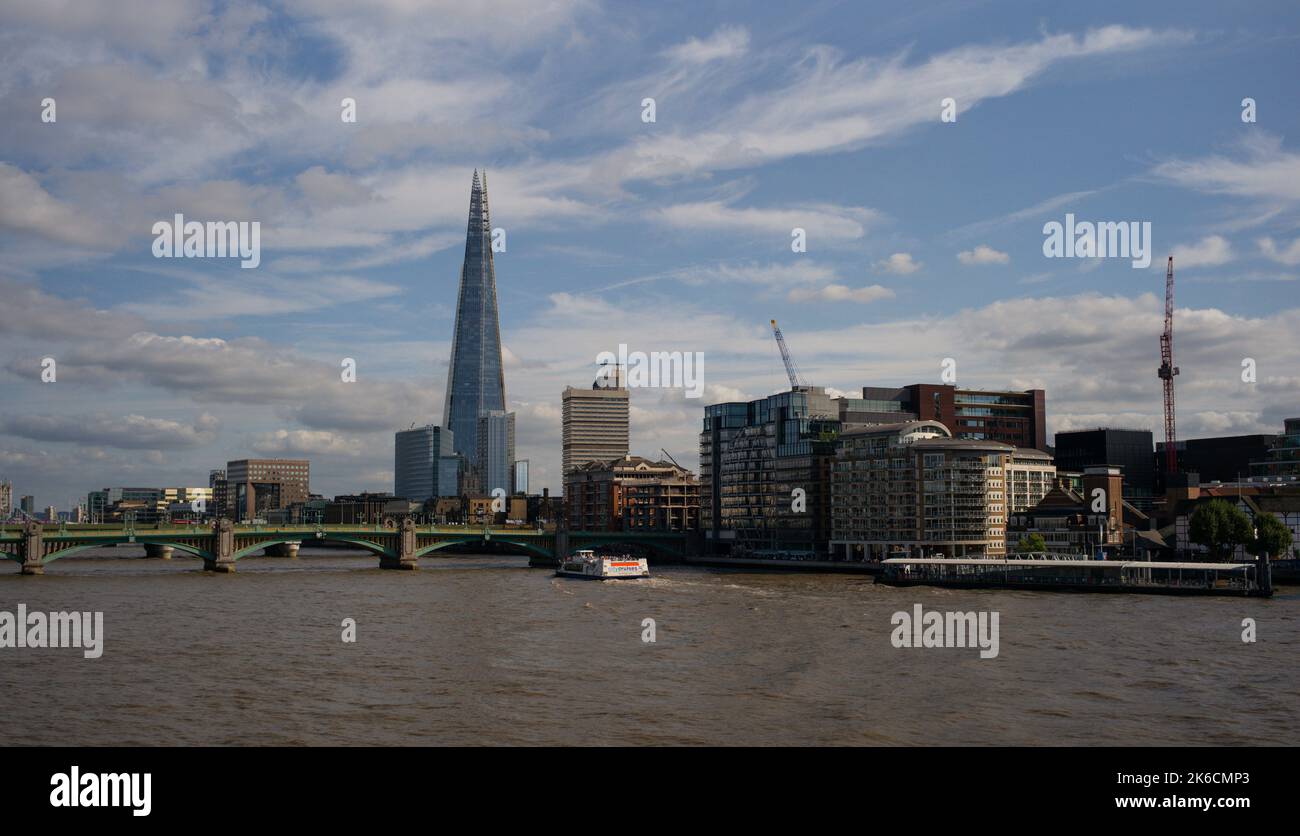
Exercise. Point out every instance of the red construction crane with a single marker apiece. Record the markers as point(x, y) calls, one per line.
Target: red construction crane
point(1168, 370)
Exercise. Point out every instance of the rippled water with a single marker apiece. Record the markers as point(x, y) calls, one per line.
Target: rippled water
point(484, 650)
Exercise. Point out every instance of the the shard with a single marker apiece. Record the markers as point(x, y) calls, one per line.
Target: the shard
point(475, 380)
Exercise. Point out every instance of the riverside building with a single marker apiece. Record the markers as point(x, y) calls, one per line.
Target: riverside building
point(912, 490)
point(764, 474)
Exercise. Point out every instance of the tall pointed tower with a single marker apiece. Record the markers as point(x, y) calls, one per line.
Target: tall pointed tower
point(475, 380)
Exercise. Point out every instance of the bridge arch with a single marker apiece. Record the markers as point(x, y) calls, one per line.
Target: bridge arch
point(530, 548)
point(71, 550)
point(368, 545)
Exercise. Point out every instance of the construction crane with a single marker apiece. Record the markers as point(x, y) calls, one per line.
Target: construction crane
point(795, 380)
point(1168, 370)
point(670, 457)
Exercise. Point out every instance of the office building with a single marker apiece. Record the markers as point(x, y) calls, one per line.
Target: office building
point(1018, 418)
point(595, 425)
point(632, 493)
point(425, 464)
point(255, 487)
point(1128, 449)
point(120, 504)
point(6, 500)
point(28, 505)
point(496, 451)
point(1283, 456)
point(1218, 459)
point(521, 477)
point(764, 473)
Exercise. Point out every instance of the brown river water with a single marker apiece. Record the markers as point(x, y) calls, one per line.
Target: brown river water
point(484, 650)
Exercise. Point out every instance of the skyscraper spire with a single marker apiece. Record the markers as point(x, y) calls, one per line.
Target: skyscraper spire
point(475, 378)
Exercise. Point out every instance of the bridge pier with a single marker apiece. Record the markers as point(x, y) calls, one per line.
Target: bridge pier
point(282, 550)
point(405, 557)
point(223, 548)
point(158, 550)
point(33, 546)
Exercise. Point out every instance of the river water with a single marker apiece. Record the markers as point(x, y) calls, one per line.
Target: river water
point(484, 650)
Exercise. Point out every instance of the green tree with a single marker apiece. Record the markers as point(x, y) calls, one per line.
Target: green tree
point(1271, 537)
point(1031, 543)
point(1220, 526)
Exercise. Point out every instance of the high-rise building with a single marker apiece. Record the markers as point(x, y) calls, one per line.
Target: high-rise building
point(496, 451)
point(1129, 450)
point(257, 486)
point(29, 505)
point(765, 473)
point(425, 464)
point(521, 477)
point(475, 376)
point(6, 499)
point(595, 424)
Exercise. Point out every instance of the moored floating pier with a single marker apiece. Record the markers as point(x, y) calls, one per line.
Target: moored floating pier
point(1070, 575)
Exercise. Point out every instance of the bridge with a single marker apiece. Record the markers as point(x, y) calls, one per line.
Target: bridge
point(221, 544)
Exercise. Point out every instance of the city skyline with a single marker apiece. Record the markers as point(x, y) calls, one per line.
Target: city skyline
point(924, 237)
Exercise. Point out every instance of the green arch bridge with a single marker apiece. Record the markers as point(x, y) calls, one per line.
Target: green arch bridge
point(223, 543)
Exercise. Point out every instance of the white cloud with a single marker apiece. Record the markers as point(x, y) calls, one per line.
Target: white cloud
point(1210, 251)
point(1289, 255)
point(840, 293)
point(1263, 171)
point(983, 254)
point(900, 263)
point(726, 42)
point(128, 432)
point(305, 443)
point(820, 221)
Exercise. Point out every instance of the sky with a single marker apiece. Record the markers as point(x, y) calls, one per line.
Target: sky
point(924, 235)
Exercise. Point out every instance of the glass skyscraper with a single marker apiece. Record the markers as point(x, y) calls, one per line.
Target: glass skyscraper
point(475, 379)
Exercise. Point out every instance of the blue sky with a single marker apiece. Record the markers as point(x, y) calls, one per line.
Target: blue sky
point(672, 235)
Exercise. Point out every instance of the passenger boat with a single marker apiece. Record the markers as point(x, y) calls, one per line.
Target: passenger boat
point(585, 563)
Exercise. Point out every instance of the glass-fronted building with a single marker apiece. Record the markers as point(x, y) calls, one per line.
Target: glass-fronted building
point(496, 451)
point(425, 464)
point(475, 380)
point(764, 473)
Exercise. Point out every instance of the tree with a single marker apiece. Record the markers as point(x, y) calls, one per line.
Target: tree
point(1271, 537)
point(1031, 543)
point(1220, 526)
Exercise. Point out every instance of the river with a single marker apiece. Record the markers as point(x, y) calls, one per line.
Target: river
point(484, 650)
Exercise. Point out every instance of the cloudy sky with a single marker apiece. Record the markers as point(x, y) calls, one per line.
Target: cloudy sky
point(924, 237)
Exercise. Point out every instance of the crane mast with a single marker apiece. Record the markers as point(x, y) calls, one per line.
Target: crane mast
point(1168, 370)
point(790, 370)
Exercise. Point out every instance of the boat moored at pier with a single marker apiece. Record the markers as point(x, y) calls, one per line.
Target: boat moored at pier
point(1077, 575)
